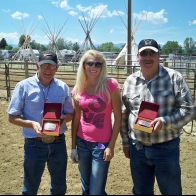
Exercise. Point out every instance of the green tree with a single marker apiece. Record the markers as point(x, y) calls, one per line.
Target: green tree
point(35, 45)
point(60, 43)
point(43, 48)
point(189, 45)
point(171, 47)
point(68, 45)
point(108, 47)
point(105, 47)
point(3, 43)
point(22, 40)
point(15, 50)
point(9, 47)
point(75, 46)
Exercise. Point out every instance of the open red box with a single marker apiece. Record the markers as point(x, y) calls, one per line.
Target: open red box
point(51, 118)
point(148, 112)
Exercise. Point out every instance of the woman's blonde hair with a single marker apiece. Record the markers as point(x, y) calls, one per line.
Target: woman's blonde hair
point(101, 87)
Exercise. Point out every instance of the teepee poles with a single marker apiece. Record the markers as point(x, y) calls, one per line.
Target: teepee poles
point(53, 36)
point(87, 25)
point(26, 44)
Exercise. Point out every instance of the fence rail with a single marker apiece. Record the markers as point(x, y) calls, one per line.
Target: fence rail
point(13, 72)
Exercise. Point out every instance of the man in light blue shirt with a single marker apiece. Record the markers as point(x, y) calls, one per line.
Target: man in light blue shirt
point(26, 110)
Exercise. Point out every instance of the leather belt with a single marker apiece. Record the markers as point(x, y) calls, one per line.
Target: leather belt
point(47, 139)
point(146, 143)
point(150, 144)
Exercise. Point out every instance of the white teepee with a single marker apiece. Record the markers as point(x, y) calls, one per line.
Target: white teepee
point(53, 36)
point(121, 59)
point(87, 25)
point(26, 51)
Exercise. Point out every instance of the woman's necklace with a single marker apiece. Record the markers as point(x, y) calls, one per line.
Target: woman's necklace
point(46, 96)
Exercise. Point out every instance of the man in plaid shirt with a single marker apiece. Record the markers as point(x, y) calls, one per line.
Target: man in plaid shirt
point(155, 154)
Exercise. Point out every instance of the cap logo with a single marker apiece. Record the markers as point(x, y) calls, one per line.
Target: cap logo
point(48, 57)
point(148, 42)
point(44, 55)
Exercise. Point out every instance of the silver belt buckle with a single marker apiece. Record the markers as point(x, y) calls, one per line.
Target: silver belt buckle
point(48, 139)
point(146, 143)
point(50, 126)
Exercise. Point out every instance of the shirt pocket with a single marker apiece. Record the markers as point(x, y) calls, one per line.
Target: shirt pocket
point(33, 105)
point(165, 97)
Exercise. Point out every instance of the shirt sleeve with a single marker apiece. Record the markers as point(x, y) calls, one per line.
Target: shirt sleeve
point(67, 106)
point(17, 102)
point(112, 84)
point(184, 106)
point(124, 125)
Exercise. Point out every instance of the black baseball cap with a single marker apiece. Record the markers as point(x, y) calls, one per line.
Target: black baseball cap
point(47, 57)
point(148, 44)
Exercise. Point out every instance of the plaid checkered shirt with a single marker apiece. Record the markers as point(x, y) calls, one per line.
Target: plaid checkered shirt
point(168, 89)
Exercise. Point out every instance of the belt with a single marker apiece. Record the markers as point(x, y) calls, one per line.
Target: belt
point(146, 143)
point(150, 144)
point(47, 139)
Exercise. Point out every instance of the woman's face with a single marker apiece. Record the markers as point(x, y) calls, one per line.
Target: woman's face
point(92, 66)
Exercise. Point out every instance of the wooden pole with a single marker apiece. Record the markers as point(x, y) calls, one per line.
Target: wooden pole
point(26, 68)
point(129, 38)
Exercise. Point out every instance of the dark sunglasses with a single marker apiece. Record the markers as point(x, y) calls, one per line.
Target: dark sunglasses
point(145, 53)
point(91, 63)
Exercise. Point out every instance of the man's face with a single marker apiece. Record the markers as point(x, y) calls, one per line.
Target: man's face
point(46, 73)
point(148, 60)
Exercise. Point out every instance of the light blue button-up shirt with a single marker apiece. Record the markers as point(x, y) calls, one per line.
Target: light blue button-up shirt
point(28, 100)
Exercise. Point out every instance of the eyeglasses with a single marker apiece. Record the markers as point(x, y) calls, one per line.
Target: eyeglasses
point(48, 66)
point(145, 53)
point(91, 63)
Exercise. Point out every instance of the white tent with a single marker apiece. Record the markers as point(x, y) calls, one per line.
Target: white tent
point(26, 45)
point(121, 59)
point(53, 36)
point(87, 25)
point(26, 52)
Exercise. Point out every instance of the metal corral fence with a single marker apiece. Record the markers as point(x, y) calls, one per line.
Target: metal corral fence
point(12, 72)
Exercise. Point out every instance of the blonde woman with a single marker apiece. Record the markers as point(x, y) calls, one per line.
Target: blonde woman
point(95, 97)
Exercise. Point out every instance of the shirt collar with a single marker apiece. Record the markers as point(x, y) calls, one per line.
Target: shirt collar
point(37, 79)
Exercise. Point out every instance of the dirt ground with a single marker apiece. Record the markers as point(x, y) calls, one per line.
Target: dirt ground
point(119, 178)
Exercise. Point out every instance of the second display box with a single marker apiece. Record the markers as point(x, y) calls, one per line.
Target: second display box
point(147, 113)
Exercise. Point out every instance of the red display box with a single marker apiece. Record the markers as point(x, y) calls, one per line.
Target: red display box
point(51, 118)
point(148, 112)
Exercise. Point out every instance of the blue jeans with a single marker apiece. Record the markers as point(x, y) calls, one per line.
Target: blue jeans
point(160, 161)
point(92, 168)
point(37, 154)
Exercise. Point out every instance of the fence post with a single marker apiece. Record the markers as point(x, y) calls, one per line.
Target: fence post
point(7, 81)
point(165, 64)
point(26, 68)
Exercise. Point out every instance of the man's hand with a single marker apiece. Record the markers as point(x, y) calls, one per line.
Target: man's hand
point(126, 151)
point(37, 128)
point(157, 124)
